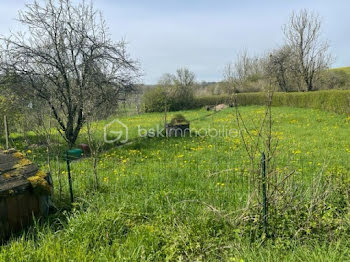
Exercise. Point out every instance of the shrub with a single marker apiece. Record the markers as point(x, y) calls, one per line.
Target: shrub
point(178, 120)
point(14, 111)
point(154, 100)
point(212, 100)
point(175, 91)
point(175, 98)
point(337, 101)
point(335, 79)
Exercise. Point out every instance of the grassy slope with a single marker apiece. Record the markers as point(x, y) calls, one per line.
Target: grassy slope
point(345, 69)
point(167, 199)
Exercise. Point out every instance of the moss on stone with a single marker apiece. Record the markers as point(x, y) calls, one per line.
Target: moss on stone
point(7, 175)
point(18, 155)
point(39, 183)
point(23, 162)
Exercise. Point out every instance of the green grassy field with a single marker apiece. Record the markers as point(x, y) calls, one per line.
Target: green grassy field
point(344, 69)
point(178, 199)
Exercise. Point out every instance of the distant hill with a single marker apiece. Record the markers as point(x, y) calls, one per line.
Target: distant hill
point(344, 69)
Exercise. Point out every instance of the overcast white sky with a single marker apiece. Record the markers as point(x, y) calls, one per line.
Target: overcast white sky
point(204, 35)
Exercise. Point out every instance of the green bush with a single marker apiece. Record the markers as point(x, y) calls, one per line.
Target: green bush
point(178, 120)
point(154, 100)
point(335, 79)
point(175, 98)
point(337, 101)
point(212, 100)
point(13, 112)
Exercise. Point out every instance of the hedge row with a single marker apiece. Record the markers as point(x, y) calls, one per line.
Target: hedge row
point(337, 101)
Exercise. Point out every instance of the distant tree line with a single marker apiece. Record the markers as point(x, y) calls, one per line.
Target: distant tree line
point(300, 64)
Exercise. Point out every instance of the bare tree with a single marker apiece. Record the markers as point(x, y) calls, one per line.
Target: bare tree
point(303, 36)
point(95, 145)
point(243, 66)
point(181, 88)
point(244, 71)
point(230, 79)
point(238, 71)
point(184, 78)
point(67, 59)
point(165, 83)
point(279, 65)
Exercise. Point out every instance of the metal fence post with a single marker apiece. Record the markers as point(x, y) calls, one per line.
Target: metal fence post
point(69, 178)
point(265, 212)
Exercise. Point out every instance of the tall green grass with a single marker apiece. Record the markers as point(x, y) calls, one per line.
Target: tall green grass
point(174, 199)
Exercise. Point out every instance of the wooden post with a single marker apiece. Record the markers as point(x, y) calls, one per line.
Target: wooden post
point(6, 132)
